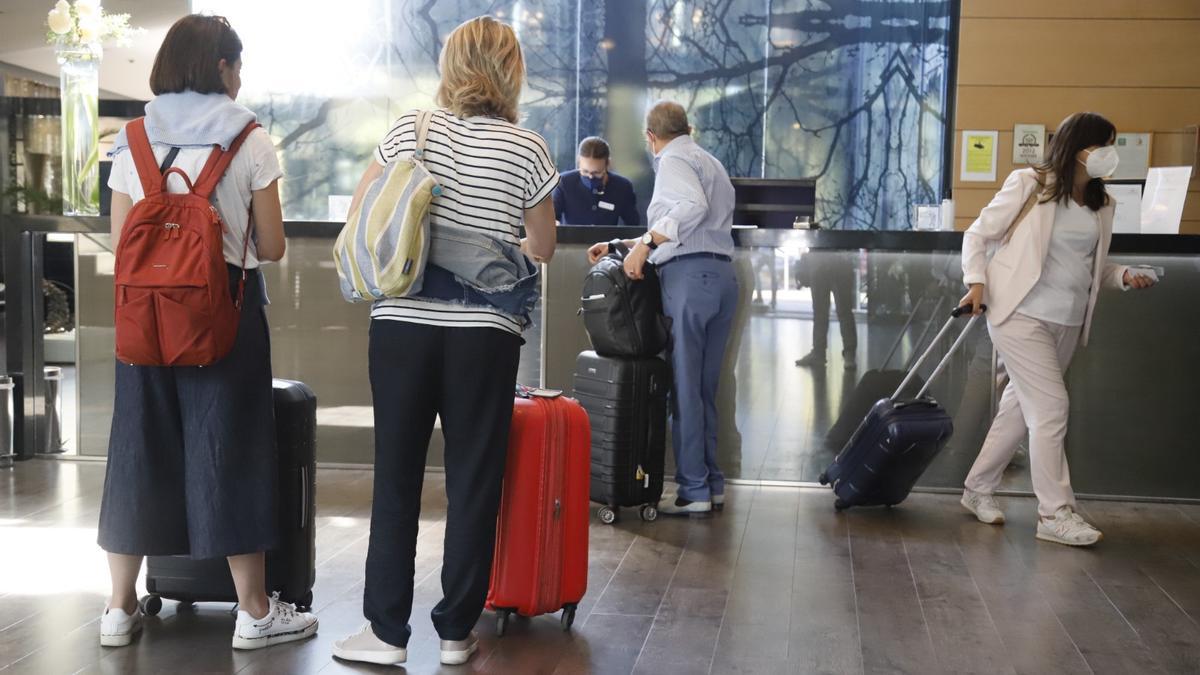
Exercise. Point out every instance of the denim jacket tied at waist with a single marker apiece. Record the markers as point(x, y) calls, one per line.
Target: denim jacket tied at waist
point(468, 268)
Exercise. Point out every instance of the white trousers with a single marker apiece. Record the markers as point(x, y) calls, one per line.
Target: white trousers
point(1036, 354)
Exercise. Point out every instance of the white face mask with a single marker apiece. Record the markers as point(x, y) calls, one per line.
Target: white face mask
point(1102, 162)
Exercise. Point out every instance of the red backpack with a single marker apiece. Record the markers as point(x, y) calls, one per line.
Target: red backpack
point(173, 305)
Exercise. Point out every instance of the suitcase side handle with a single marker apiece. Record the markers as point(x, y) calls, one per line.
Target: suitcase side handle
point(954, 314)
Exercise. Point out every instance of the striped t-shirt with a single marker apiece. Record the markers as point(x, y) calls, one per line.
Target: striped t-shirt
point(490, 171)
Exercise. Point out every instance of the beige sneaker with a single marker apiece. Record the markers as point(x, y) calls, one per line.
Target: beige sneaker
point(983, 506)
point(458, 652)
point(366, 647)
point(1068, 528)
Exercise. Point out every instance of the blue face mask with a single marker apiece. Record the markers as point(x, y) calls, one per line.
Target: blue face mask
point(595, 184)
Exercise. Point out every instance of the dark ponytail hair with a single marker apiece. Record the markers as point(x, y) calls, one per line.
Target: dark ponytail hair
point(190, 55)
point(1076, 133)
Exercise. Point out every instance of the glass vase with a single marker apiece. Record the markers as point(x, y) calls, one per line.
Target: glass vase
point(79, 69)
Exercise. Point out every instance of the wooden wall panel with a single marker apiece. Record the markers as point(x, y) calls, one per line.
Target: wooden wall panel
point(1074, 9)
point(1079, 52)
point(1130, 108)
point(1034, 61)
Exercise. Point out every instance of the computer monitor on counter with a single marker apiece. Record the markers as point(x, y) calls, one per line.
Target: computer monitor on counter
point(783, 203)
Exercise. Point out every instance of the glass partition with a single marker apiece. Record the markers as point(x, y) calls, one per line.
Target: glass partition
point(316, 337)
point(853, 93)
point(1133, 388)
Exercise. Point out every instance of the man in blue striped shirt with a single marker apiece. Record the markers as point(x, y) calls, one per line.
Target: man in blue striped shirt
point(691, 241)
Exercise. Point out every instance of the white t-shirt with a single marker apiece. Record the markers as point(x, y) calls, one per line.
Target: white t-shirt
point(490, 171)
point(1061, 293)
point(254, 167)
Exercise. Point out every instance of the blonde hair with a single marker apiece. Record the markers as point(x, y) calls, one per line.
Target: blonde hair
point(482, 70)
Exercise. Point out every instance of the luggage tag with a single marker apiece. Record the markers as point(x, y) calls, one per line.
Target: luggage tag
point(643, 476)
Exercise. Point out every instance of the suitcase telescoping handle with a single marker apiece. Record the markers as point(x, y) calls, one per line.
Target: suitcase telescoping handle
point(954, 314)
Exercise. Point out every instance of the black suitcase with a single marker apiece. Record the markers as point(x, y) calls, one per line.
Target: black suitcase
point(896, 442)
point(878, 383)
point(291, 568)
point(626, 402)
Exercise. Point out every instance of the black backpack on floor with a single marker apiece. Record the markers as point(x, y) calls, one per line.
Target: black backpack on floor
point(623, 317)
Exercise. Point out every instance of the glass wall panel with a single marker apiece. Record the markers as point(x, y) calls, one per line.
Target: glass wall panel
point(852, 92)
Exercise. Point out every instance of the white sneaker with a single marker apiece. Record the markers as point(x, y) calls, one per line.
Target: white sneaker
point(1068, 527)
point(118, 628)
point(983, 506)
point(366, 647)
point(281, 624)
point(458, 652)
point(673, 505)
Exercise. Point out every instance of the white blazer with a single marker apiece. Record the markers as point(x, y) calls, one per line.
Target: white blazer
point(1016, 267)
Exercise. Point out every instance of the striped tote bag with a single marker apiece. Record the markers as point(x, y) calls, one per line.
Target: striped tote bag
point(381, 251)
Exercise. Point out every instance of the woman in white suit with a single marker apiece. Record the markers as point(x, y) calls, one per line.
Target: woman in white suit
point(1050, 228)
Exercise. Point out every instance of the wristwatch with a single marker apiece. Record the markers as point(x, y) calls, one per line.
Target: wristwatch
point(648, 239)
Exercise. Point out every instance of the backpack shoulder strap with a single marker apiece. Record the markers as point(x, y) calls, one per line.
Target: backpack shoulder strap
point(218, 162)
point(143, 157)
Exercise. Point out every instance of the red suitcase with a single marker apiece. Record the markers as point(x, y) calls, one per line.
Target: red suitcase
point(541, 559)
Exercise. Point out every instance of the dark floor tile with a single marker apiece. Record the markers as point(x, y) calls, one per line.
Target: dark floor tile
point(605, 644)
point(895, 636)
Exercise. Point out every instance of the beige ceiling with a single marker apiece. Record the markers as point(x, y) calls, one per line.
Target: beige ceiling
point(125, 71)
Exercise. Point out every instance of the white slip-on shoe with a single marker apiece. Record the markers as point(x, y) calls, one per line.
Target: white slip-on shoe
point(118, 628)
point(674, 505)
point(1068, 528)
point(366, 647)
point(983, 506)
point(458, 652)
point(283, 623)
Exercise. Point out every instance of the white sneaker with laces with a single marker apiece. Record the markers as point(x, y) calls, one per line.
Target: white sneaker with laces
point(458, 652)
point(1069, 528)
point(983, 506)
point(366, 647)
point(281, 624)
point(118, 628)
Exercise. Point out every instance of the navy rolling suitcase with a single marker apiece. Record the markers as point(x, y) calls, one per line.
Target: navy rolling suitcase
point(291, 568)
point(896, 442)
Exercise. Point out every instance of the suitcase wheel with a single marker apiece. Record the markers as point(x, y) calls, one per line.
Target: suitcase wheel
point(568, 617)
point(608, 515)
point(305, 603)
point(151, 605)
point(502, 616)
point(840, 505)
point(649, 513)
point(823, 479)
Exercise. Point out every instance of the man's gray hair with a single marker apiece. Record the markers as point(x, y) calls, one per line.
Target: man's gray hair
point(667, 119)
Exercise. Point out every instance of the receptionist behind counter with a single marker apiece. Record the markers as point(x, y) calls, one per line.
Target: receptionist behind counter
point(593, 195)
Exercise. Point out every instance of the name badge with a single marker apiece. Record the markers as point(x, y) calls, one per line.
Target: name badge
point(607, 206)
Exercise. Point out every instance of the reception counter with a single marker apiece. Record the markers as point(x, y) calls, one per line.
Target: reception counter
point(1133, 388)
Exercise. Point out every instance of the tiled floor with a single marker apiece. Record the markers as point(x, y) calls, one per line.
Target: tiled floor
point(778, 583)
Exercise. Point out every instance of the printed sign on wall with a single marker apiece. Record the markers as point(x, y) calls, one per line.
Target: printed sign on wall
point(979, 156)
point(1029, 143)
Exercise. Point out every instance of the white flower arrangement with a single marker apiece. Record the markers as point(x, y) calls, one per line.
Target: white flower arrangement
point(84, 25)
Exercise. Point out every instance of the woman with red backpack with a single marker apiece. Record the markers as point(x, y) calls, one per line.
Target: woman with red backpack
point(191, 460)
